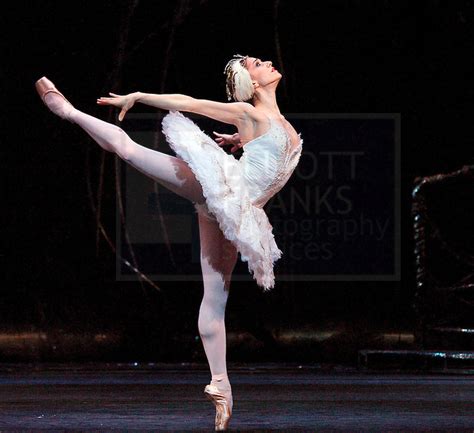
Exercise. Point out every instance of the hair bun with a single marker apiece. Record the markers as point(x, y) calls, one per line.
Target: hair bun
point(238, 82)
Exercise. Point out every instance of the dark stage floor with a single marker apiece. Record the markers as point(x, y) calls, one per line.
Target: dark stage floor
point(267, 398)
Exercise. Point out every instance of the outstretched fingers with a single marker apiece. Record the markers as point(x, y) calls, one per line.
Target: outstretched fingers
point(105, 100)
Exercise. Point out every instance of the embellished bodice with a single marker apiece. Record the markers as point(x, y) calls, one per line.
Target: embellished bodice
point(268, 162)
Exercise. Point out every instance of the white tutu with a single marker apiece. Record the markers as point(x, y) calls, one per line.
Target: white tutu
point(226, 191)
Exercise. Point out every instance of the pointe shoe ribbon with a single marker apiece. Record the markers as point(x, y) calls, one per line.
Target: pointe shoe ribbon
point(223, 407)
point(43, 87)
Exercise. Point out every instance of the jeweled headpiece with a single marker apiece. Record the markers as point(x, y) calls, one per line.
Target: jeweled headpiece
point(238, 82)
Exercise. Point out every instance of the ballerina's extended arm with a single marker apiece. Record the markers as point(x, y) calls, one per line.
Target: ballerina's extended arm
point(233, 113)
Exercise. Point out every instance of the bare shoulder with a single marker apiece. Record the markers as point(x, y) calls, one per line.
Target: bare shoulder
point(252, 115)
point(254, 124)
point(249, 116)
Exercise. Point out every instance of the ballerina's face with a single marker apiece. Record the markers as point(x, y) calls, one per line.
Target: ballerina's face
point(262, 72)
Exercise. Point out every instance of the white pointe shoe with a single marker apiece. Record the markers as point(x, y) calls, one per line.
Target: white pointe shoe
point(64, 108)
point(223, 406)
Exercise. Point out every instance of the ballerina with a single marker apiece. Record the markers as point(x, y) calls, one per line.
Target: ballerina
point(228, 194)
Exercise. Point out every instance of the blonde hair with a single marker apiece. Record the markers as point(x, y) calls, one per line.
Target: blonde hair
point(238, 82)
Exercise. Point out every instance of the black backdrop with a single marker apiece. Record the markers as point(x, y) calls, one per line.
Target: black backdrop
point(337, 57)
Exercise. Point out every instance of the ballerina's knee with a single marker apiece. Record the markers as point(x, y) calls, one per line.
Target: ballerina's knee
point(123, 145)
point(208, 327)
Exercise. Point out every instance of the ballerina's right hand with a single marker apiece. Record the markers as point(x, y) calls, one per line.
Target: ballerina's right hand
point(225, 139)
point(125, 102)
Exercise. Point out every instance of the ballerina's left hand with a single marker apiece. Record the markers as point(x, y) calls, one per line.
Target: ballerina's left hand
point(125, 102)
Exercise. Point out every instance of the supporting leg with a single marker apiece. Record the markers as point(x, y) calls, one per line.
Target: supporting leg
point(218, 259)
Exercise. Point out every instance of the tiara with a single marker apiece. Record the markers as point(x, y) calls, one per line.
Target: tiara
point(230, 73)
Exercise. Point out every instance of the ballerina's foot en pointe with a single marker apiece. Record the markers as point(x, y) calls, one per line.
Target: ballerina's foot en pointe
point(220, 393)
point(54, 99)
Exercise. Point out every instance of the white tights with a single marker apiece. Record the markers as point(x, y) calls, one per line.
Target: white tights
point(218, 258)
point(218, 255)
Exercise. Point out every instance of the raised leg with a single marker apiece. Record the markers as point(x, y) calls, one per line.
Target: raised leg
point(218, 259)
point(170, 171)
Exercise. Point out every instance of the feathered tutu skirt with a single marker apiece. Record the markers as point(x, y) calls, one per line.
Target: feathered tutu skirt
point(227, 197)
